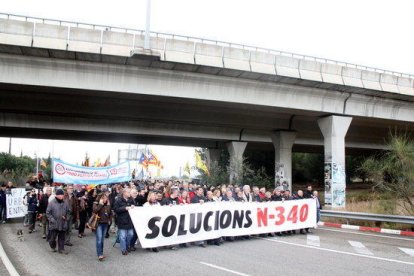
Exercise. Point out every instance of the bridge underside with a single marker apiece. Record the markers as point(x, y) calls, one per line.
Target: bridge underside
point(74, 114)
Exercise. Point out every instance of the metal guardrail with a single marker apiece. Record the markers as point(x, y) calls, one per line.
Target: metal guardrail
point(200, 40)
point(368, 216)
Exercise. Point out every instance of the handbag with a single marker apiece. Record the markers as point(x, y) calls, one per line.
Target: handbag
point(93, 222)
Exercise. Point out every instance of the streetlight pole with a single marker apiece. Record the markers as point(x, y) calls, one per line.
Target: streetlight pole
point(10, 144)
point(147, 26)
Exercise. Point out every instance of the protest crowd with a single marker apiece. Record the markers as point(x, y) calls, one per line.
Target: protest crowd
point(62, 211)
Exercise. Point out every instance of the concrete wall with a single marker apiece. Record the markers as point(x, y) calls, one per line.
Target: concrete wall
point(85, 41)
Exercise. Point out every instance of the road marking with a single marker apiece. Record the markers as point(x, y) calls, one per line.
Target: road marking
point(408, 251)
point(360, 248)
point(6, 261)
point(339, 252)
point(366, 234)
point(313, 240)
point(224, 269)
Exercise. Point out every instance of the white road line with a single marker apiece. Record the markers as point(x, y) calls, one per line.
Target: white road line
point(339, 252)
point(6, 261)
point(313, 240)
point(408, 251)
point(224, 269)
point(366, 234)
point(360, 248)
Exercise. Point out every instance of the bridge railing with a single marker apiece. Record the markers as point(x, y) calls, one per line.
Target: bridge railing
point(368, 217)
point(105, 39)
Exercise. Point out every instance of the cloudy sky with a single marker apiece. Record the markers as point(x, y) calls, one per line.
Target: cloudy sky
point(373, 33)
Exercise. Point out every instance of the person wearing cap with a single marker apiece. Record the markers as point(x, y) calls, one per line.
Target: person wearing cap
point(57, 213)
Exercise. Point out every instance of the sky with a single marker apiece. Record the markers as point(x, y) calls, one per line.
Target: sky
point(372, 33)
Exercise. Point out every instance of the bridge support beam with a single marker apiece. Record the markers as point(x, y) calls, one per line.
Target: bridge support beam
point(236, 150)
point(334, 129)
point(283, 142)
point(213, 156)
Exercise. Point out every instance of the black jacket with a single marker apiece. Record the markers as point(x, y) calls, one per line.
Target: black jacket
point(123, 220)
point(32, 203)
point(277, 197)
point(307, 194)
point(44, 201)
point(170, 201)
point(196, 199)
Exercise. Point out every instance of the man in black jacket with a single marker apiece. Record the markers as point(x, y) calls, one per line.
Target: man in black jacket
point(199, 198)
point(43, 203)
point(123, 220)
point(173, 199)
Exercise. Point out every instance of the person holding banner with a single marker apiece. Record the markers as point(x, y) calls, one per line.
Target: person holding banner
point(3, 208)
point(57, 213)
point(152, 201)
point(123, 220)
point(102, 208)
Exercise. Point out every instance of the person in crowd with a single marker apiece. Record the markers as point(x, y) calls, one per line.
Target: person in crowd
point(134, 199)
point(199, 198)
point(32, 204)
point(142, 197)
point(82, 211)
point(309, 192)
point(159, 196)
point(268, 197)
point(102, 208)
point(217, 195)
point(184, 198)
point(210, 198)
point(43, 203)
point(318, 205)
point(25, 206)
point(262, 193)
point(300, 197)
point(239, 196)
point(3, 207)
point(277, 195)
point(229, 196)
point(57, 212)
point(152, 201)
point(256, 195)
point(172, 199)
point(123, 220)
point(247, 196)
point(72, 217)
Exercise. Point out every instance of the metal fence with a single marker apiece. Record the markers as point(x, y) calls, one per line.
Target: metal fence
point(199, 40)
point(368, 217)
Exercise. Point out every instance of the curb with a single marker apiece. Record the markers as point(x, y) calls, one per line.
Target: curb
point(367, 229)
point(7, 263)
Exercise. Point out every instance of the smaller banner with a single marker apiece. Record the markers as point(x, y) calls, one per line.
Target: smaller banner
point(72, 174)
point(14, 203)
point(168, 225)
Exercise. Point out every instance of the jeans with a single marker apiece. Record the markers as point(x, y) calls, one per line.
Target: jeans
point(125, 236)
point(100, 235)
point(318, 214)
point(133, 239)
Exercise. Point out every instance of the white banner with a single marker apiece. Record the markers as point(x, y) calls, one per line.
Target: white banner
point(14, 203)
point(72, 174)
point(167, 225)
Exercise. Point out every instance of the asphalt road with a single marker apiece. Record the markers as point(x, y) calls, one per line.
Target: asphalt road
point(325, 252)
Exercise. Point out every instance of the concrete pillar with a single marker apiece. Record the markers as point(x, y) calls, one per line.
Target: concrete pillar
point(283, 142)
point(213, 156)
point(236, 150)
point(334, 129)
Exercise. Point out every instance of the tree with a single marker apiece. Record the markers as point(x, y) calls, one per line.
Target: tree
point(16, 169)
point(393, 170)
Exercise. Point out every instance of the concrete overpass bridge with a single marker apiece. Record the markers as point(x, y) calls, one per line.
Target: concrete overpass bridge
point(68, 80)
